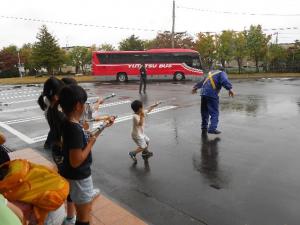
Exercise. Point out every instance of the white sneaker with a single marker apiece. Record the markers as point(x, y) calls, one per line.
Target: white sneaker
point(70, 221)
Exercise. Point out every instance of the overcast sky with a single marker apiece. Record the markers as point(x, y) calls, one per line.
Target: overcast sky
point(150, 14)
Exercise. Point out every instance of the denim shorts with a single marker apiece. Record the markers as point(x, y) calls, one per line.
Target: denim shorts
point(142, 142)
point(82, 191)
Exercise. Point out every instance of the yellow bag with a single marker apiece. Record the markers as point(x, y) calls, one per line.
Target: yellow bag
point(35, 184)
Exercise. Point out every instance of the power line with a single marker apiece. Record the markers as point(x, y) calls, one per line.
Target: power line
point(290, 33)
point(236, 13)
point(126, 28)
point(266, 29)
point(281, 28)
point(80, 24)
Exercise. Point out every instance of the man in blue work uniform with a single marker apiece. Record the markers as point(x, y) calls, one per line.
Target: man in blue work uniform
point(211, 86)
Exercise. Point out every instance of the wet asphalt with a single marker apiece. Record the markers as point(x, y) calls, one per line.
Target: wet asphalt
point(247, 175)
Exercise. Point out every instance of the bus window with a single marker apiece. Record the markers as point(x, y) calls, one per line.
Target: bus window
point(138, 59)
point(102, 58)
point(145, 58)
point(162, 58)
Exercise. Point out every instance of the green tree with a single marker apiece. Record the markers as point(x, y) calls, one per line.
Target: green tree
point(46, 53)
point(132, 43)
point(225, 47)
point(276, 58)
point(80, 57)
point(106, 47)
point(164, 40)
point(240, 51)
point(257, 44)
point(206, 45)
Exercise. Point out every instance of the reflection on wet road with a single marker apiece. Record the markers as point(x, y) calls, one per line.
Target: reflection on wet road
point(207, 163)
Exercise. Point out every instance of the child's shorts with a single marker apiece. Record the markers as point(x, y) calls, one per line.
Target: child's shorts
point(142, 142)
point(81, 191)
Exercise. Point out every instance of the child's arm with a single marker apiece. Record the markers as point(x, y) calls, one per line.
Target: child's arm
point(142, 119)
point(17, 211)
point(78, 156)
point(2, 139)
point(152, 107)
point(101, 118)
point(96, 105)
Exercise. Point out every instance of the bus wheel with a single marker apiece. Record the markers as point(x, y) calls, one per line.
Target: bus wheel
point(122, 77)
point(178, 76)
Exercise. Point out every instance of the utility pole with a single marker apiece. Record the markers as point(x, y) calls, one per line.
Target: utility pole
point(19, 65)
point(276, 40)
point(173, 25)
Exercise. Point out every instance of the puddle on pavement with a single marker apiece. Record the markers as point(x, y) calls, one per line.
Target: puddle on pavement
point(215, 186)
point(34, 85)
point(258, 105)
point(17, 87)
point(250, 105)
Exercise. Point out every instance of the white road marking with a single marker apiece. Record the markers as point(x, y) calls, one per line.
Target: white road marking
point(19, 109)
point(118, 120)
point(21, 101)
point(31, 100)
point(35, 107)
point(125, 118)
point(9, 122)
point(40, 138)
point(115, 103)
point(20, 135)
point(18, 96)
point(19, 92)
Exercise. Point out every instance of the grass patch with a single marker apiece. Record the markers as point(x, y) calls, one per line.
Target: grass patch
point(262, 75)
point(40, 80)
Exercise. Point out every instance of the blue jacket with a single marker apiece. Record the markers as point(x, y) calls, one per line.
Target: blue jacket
point(220, 80)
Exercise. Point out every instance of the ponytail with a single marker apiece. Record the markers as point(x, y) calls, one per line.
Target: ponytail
point(52, 87)
point(41, 102)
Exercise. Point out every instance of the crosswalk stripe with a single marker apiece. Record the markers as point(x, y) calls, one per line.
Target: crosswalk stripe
point(119, 120)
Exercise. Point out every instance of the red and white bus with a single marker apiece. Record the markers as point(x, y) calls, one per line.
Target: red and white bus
point(177, 64)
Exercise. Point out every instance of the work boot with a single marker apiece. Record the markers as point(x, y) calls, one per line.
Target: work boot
point(204, 130)
point(214, 132)
point(146, 155)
